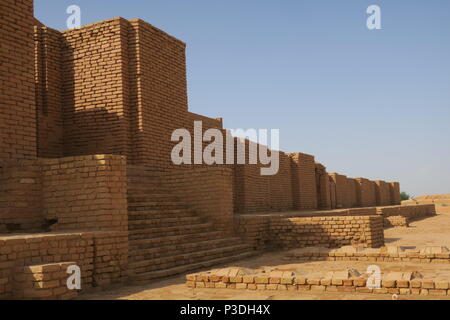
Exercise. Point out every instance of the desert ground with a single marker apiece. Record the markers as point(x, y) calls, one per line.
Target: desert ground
point(431, 231)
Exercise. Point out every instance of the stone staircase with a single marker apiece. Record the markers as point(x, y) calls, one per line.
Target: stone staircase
point(166, 237)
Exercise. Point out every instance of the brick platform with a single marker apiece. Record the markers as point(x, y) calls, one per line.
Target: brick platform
point(101, 256)
point(400, 216)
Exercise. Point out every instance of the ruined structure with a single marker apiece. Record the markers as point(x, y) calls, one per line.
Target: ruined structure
point(86, 178)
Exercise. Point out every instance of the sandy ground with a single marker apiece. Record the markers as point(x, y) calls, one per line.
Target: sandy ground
point(425, 232)
point(429, 231)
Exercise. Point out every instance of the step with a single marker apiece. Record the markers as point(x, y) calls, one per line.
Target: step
point(148, 257)
point(181, 257)
point(176, 241)
point(143, 278)
point(141, 233)
point(145, 257)
point(153, 220)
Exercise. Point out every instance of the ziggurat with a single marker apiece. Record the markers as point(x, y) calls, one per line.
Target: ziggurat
point(86, 177)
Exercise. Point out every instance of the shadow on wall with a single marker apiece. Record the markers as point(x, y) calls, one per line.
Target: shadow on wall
point(90, 132)
point(20, 197)
point(94, 122)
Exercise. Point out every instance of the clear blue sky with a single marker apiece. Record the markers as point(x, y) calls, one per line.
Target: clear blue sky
point(366, 103)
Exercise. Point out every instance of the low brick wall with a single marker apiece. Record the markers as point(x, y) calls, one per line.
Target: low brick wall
point(43, 281)
point(401, 215)
point(391, 283)
point(396, 221)
point(328, 231)
point(101, 256)
point(110, 263)
point(254, 229)
point(441, 205)
point(278, 231)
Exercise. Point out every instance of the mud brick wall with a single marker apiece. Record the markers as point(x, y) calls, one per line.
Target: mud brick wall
point(402, 215)
point(396, 221)
point(208, 190)
point(96, 89)
point(353, 187)
point(349, 193)
point(122, 89)
point(20, 197)
point(48, 81)
point(332, 192)
point(342, 190)
point(410, 211)
point(323, 188)
point(304, 189)
point(197, 138)
point(327, 231)
point(43, 282)
point(359, 198)
point(252, 189)
point(366, 196)
point(101, 256)
point(17, 94)
point(255, 192)
point(240, 173)
point(280, 185)
point(382, 193)
point(110, 261)
point(361, 211)
point(254, 230)
point(20, 251)
point(417, 211)
point(388, 211)
point(121, 86)
point(394, 190)
point(85, 193)
point(271, 231)
point(158, 92)
point(441, 203)
point(206, 121)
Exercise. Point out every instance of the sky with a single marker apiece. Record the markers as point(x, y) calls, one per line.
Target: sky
point(366, 103)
